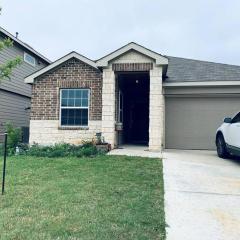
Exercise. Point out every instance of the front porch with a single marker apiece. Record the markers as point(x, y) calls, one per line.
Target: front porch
point(135, 150)
point(138, 61)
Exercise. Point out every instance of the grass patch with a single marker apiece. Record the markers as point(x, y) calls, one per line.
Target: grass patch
point(107, 197)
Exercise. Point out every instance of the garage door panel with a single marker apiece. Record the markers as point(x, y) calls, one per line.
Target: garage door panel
point(191, 122)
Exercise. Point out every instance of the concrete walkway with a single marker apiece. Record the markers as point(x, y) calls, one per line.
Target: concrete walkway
point(135, 150)
point(202, 196)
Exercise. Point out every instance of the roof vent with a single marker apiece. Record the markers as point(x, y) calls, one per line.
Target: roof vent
point(16, 34)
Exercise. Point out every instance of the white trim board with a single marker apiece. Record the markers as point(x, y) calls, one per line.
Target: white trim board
point(30, 79)
point(201, 84)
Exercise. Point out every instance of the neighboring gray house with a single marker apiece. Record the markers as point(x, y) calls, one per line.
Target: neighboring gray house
point(162, 101)
point(15, 95)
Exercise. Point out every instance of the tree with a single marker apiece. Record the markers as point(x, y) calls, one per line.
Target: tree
point(7, 68)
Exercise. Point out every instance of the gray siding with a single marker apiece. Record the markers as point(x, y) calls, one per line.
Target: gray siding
point(13, 109)
point(14, 93)
point(16, 83)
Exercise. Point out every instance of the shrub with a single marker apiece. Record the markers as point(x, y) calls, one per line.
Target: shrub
point(14, 138)
point(63, 150)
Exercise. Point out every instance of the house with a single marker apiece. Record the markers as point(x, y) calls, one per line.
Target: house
point(15, 95)
point(162, 101)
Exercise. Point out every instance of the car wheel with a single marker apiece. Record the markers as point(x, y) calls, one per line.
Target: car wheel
point(221, 147)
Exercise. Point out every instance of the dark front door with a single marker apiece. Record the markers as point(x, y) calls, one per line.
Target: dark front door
point(137, 129)
point(135, 111)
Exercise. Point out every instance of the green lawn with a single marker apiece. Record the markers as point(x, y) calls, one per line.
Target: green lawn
point(107, 197)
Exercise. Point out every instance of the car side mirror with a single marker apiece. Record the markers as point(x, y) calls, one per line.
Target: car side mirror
point(227, 120)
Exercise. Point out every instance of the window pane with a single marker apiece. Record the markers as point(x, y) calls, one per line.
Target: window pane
point(84, 93)
point(71, 93)
point(64, 116)
point(78, 102)
point(71, 117)
point(84, 102)
point(71, 102)
point(74, 117)
point(64, 102)
point(78, 121)
point(64, 121)
point(29, 59)
point(64, 93)
point(78, 93)
point(84, 114)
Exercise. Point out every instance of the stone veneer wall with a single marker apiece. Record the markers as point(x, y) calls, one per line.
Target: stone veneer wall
point(44, 123)
point(47, 132)
point(134, 61)
point(156, 110)
point(108, 106)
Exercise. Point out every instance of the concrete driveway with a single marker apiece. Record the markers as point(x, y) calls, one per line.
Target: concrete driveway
point(202, 196)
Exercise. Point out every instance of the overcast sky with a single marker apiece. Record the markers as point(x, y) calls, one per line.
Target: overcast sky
point(198, 29)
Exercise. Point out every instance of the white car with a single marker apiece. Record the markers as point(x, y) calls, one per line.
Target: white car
point(228, 137)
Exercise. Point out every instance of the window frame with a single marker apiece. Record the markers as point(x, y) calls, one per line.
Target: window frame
point(60, 109)
point(24, 58)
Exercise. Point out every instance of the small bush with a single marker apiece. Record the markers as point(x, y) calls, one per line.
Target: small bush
point(63, 150)
point(14, 138)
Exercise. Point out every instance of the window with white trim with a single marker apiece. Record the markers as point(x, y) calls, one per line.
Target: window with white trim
point(29, 59)
point(74, 107)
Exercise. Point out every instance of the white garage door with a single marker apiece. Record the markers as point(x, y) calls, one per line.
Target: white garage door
point(191, 122)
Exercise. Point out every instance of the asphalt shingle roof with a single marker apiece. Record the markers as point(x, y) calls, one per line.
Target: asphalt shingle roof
point(188, 70)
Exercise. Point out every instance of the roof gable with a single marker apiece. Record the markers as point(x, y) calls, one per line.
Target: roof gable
point(30, 78)
point(159, 59)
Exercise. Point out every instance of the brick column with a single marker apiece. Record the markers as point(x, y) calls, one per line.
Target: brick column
point(108, 106)
point(156, 110)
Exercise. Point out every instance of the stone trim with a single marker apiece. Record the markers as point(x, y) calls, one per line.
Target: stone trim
point(123, 67)
point(73, 128)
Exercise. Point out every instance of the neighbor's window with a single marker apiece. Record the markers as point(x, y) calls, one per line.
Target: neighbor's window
point(29, 59)
point(74, 107)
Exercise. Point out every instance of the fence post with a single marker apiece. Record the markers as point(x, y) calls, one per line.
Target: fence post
point(4, 162)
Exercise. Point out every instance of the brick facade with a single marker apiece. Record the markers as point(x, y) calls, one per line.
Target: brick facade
point(72, 74)
point(44, 124)
point(130, 67)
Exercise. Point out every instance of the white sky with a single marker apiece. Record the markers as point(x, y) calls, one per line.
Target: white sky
point(198, 29)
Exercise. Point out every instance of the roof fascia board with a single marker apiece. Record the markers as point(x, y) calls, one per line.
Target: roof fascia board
point(160, 60)
point(30, 78)
point(201, 84)
point(24, 45)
